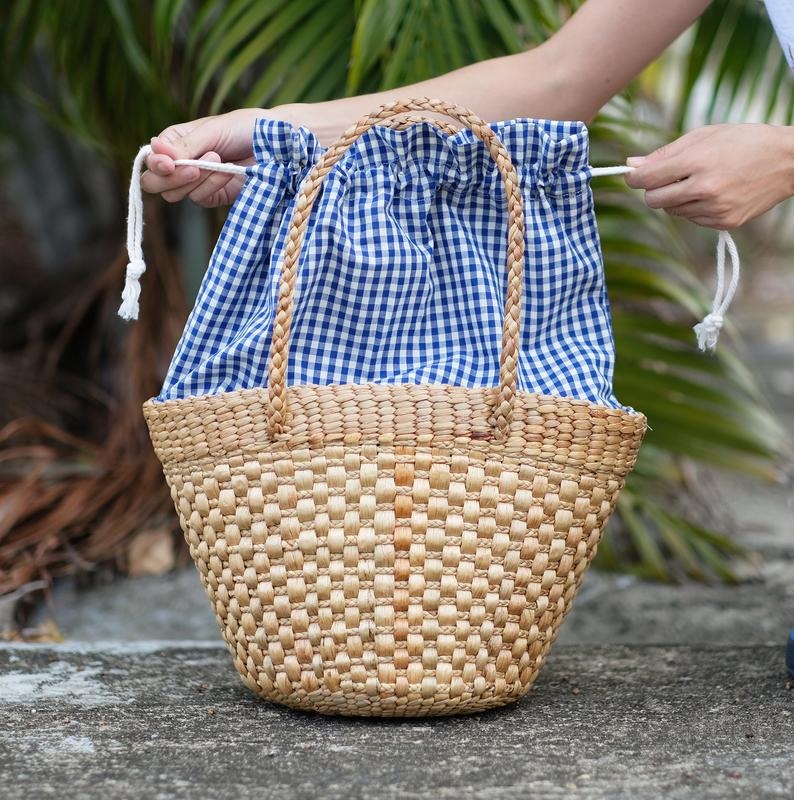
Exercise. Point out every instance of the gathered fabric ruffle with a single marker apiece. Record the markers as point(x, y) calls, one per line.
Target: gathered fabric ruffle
point(402, 273)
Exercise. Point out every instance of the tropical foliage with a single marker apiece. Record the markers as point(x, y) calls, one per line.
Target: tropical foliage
point(112, 73)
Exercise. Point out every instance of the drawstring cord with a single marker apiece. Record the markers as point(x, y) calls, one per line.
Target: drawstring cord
point(131, 293)
point(707, 331)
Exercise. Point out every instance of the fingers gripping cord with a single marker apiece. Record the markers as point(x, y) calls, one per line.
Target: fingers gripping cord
point(130, 296)
point(707, 331)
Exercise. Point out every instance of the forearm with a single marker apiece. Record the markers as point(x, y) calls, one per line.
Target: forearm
point(495, 89)
point(571, 76)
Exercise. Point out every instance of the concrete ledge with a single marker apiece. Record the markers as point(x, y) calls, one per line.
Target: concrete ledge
point(172, 720)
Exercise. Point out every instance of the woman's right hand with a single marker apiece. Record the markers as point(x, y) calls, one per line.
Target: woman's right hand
point(226, 137)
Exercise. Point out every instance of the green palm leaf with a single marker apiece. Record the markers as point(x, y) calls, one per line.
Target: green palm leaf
point(148, 65)
point(732, 56)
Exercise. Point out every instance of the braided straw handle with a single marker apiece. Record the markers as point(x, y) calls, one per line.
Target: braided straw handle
point(277, 409)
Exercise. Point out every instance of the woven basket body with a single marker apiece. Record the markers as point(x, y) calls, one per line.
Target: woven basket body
point(393, 550)
point(381, 561)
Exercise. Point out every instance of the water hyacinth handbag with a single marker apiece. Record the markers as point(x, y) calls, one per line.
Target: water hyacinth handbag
point(389, 427)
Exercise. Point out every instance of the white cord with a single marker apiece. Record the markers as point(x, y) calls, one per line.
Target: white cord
point(131, 293)
point(707, 331)
point(602, 172)
point(136, 266)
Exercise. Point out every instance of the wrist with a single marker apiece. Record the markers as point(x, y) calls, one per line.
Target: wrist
point(326, 120)
point(787, 157)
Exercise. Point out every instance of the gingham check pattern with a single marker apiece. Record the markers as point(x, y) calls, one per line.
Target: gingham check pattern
point(402, 273)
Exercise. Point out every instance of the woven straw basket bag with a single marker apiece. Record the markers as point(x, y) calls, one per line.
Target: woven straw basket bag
point(393, 550)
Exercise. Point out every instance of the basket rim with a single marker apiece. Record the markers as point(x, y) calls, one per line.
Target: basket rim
point(198, 431)
point(552, 398)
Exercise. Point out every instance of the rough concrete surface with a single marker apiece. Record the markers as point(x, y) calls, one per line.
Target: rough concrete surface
point(653, 691)
point(620, 609)
point(173, 721)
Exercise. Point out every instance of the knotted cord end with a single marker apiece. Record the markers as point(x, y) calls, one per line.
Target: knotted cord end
point(132, 288)
point(131, 294)
point(708, 331)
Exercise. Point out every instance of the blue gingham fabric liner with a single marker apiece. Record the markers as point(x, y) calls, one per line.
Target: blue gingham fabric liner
point(402, 274)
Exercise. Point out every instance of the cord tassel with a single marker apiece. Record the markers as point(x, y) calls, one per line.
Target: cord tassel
point(708, 330)
point(131, 294)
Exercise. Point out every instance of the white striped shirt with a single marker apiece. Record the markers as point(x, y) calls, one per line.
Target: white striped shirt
point(781, 12)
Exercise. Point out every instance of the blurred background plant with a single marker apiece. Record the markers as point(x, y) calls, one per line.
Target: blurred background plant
point(86, 82)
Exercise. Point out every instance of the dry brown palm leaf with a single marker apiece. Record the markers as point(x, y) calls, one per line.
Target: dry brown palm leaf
point(77, 475)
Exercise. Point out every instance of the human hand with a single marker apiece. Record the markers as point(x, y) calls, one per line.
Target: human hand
point(719, 176)
point(227, 137)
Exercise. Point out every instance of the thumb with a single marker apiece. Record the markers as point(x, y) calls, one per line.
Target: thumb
point(190, 140)
point(229, 135)
point(187, 140)
point(672, 149)
point(661, 152)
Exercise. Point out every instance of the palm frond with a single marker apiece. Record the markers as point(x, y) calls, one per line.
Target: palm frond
point(115, 71)
point(735, 69)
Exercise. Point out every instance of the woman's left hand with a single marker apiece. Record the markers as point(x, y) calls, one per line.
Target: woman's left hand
point(719, 176)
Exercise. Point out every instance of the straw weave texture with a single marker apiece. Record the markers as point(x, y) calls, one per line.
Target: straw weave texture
point(383, 560)
point(393, 550)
